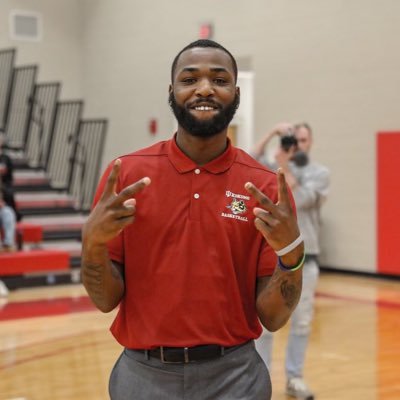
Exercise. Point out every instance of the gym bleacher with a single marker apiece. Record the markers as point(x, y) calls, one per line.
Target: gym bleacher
point(56, 156)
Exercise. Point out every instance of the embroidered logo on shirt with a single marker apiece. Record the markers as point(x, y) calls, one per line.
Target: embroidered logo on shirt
point(237, 206)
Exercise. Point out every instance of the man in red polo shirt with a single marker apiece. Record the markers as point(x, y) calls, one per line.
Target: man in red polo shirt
point(184, 237)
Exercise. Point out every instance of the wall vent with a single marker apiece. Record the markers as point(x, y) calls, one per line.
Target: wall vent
point(25, 25)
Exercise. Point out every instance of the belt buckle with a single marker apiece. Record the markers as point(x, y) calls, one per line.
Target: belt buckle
point(185, 354)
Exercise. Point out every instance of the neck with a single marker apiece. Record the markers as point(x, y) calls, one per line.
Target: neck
point(201, 150)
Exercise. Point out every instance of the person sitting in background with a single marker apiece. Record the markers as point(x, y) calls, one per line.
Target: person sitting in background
point(309, 182)
point(7, 180)
point(7, 226)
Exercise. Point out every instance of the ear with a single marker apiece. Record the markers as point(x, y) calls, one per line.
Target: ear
point(170, 89)
point(238, 90)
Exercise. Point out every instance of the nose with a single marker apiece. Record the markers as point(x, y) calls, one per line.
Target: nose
point(204, 88)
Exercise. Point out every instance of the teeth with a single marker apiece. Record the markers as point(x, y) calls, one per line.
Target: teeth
point(204, 108)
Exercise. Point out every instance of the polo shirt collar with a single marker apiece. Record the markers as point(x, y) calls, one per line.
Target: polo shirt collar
point(183, 163)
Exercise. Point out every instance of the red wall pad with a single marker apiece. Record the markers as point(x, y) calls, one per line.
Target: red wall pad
point(24, 262)
point(388, 203)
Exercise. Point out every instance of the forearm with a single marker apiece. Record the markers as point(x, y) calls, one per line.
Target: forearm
point(278, 296)
point(259, 148)
point(102, 280)
point(277, 299)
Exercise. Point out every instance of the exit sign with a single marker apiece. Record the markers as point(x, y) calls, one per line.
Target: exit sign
point(206, 31)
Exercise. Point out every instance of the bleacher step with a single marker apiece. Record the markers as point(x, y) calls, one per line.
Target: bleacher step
point(31, 180)
point(72, 247)
point(29, 261)
point(58, 227)
point(32, 203)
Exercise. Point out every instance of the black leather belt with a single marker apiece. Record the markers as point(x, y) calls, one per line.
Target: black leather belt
point(181, 355)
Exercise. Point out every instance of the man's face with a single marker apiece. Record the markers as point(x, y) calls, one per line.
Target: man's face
point(203, 95)
point(304, 139)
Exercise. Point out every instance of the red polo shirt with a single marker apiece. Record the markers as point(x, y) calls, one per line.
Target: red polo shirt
point(193, 255)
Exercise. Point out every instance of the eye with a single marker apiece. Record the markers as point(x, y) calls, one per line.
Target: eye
point(220, 81)
point(188, 81)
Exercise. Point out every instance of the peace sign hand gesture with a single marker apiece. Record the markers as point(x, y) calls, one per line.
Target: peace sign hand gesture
point(277, 222)
point(113, 212)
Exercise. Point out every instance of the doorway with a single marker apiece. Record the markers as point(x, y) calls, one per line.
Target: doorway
point(242, 125)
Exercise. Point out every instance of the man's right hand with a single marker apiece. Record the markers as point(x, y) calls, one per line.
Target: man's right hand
point(113, 212)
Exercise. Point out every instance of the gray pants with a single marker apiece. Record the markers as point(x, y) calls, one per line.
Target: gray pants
point(239, 374)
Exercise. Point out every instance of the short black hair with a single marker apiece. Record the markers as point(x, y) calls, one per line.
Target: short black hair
point(204, 43)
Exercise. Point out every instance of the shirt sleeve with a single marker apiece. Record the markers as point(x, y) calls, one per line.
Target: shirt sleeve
point(115, 246)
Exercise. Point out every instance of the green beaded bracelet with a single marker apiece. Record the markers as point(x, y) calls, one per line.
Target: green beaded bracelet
point(285, 268)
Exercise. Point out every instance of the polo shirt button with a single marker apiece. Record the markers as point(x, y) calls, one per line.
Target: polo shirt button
point(196, 195)
point(196, 171)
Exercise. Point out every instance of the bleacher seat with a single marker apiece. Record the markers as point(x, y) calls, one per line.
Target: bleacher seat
point(24, 262)
point(28, 233)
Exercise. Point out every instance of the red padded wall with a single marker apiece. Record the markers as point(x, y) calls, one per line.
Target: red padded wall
point(388, 203)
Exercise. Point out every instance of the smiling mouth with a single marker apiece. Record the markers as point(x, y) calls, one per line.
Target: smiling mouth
point(204, 108)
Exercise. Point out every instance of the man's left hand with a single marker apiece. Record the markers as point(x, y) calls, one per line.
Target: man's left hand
point(276, 222)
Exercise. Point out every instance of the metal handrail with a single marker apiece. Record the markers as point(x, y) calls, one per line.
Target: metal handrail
point(40, 123)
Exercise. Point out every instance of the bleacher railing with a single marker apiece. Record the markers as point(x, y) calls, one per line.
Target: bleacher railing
point(18, 120)
point(42, 114)
point(51, 134)
point(6, 77)
point(86, 161)
point(62, 142)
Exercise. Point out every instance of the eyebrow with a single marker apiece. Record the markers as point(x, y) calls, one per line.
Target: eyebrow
point(213, 69)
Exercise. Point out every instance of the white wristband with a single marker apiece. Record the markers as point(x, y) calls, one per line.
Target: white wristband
point(289, 247)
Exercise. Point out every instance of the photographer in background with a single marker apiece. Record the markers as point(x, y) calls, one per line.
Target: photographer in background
point(309, 182)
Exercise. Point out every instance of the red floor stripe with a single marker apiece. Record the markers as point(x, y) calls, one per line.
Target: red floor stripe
point(377, 302)
point(69, 305)
point(45, 308)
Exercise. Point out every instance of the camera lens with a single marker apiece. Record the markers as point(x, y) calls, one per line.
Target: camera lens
point(287, 141)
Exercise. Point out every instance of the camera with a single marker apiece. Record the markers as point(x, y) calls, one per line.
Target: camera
point(288, 141)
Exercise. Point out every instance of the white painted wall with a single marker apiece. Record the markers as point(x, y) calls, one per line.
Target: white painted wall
point(58, 54)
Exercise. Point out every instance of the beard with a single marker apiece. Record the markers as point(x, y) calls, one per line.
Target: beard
point(204, 128)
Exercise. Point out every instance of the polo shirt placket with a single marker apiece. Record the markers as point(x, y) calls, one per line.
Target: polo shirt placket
point(197, 193)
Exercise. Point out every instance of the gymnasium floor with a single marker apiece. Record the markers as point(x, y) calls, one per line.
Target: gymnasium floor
point(55, 346)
